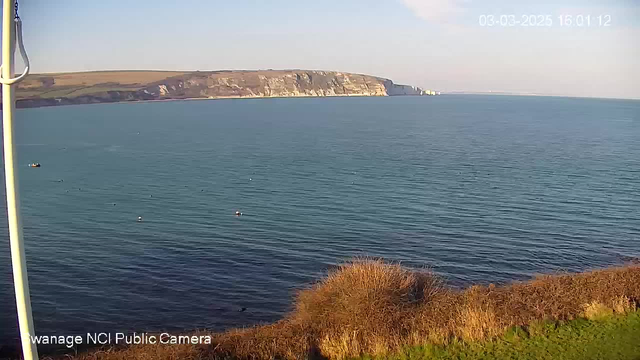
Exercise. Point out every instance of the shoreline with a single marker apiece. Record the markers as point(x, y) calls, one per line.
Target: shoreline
point(321, 97)
point(219, 98)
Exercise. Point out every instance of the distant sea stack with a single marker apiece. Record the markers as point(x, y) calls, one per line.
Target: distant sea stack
point(118, 86)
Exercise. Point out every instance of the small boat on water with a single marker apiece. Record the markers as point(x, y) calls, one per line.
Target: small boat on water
point(34, 165)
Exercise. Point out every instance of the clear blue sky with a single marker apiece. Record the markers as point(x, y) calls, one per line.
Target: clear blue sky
point(437, 44)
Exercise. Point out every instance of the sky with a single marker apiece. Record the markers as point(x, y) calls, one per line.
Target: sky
point(444, 45)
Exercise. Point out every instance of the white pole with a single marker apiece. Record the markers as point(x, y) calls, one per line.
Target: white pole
point(20, 280)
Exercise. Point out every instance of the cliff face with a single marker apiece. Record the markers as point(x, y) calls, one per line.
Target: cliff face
point(100, 87)
point(402, 90)
point(267, 84)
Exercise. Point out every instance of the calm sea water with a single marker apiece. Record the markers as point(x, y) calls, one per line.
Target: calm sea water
point(481, 188)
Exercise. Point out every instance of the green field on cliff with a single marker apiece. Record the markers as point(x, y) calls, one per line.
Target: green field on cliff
point(82, 83)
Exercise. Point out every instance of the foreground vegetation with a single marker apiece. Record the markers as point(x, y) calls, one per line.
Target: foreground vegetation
point(370, 307)
point(609, 337)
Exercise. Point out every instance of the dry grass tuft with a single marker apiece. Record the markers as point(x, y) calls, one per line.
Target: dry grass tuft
point(364, 307)
point(623, 305)
point(596, 310)
point(373, 307)
point(477, 324)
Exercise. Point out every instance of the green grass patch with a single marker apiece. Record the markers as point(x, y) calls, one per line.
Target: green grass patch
point(100, 89)
point(613, 338)
point(73, 91)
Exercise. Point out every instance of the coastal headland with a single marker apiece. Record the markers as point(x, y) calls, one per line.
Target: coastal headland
point(122, 86)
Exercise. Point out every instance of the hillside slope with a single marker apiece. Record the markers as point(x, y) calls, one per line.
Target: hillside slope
point(116, 86)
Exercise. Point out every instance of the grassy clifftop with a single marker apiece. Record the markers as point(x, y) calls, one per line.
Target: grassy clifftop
point(371, 308)
point(68, 85)
point(117, 86)
point(609, 337)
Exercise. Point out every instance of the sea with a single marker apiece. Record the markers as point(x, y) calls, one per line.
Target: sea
point(478, 189)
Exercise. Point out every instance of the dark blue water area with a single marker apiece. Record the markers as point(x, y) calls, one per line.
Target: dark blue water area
point(479, 188)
